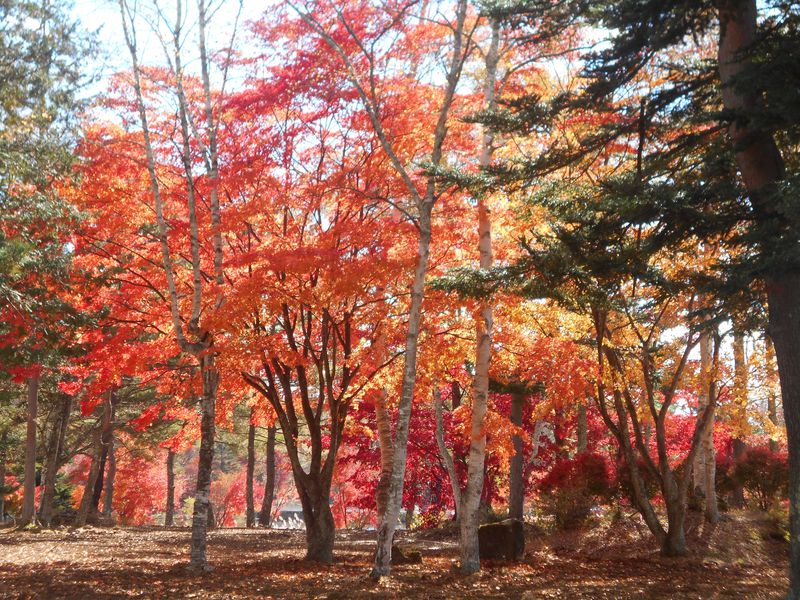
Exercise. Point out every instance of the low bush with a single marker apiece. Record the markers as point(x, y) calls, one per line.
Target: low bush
point(763, 474)
point(574, 486)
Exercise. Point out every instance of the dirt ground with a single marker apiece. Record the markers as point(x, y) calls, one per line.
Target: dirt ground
point(739, 558)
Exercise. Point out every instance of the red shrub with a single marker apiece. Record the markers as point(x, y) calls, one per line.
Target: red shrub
point(763, 474)
point(573, 486)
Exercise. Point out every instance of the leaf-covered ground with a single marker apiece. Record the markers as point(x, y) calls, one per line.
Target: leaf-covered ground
point(739, 558)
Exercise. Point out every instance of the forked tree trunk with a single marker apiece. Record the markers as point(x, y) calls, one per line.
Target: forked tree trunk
point(388, 524)
point(52, 463)
point(444, 453)
point(202, 500)
point(94, 469)
point(265, 516)
point(470, 500)
point(250, 519)
point(169, 512)
point(320, 526)
point(516, 494)
point(29, 489)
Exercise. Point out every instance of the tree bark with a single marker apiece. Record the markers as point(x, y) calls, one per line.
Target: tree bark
point(52, 463)
point(169, 512)
point(773, 389)
point(583, 429)
point(516, 494)
point(108, 497)
point(444, 453)
point(29, 490)
point(202, 500)
point(94, 470)
point(2, 477)
point(265, 516)
point(762, 167)
point(470, 508)
point(250, 519)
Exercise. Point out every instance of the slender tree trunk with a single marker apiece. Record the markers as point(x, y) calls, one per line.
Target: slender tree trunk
point(740, 392)
point(29, 489)
point(97, 490)
point(583, 429)
point(388, 524)
point(699, 468)
point(251, 467)
point(202, 500)
point(444, 453)
point(265, 516)
point(710, 479)
point(169, 512)
point(773, 389)
point(383, 424)
point(108, 498)
point(2, 478)
point(516, 494)
point(470, 508)
point(94, 470)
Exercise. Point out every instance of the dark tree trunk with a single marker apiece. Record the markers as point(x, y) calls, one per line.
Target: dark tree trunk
point(516, 496)
point(29, 490)
point(86, 501)
point(202, 501)
point(761, 165)
point(583, 429)
point(737, 497)
point(2, 476)
point(108, 498)
point(251, 466)
point(54, 451)
point(265, 516)
point(674, 543)
point(97, 491)
point(169, 512)
point(320, 527)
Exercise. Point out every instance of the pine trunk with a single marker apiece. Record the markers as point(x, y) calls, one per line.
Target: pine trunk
point(169, 512)
point(516, 494)
point(250, 519)
point(762, 167)
point(202, 501)
point(265, 516)
point(29, 490)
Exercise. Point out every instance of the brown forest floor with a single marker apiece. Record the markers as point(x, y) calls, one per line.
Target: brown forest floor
point(739, 558)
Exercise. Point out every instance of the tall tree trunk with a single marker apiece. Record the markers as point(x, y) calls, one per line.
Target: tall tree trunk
point(470, 508)
point(388, 524)
point(265, 516)
point(29, 490)
point(202, 501)
point(773, 389)
point(251, 467)
point(444, 453)
point(762, 167)
point(383, 424)
point(516, 494)
point(740, 392)
point(108, 498)
point(94, 470)
point(97, 490)
point(710, 479)
point(54, 458)
point(699, 467)
point(169, 512)
point(2, 477)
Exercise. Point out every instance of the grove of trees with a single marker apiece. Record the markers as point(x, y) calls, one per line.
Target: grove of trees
point(402, 264)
